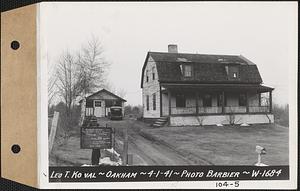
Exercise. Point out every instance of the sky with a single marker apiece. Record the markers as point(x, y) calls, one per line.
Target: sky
point(265, 33)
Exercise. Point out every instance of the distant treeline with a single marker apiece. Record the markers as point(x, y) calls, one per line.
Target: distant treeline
point(133, 111)
point(67, 124)
point(281, 114)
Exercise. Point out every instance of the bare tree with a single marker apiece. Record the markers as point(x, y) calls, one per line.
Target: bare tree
point(51, 89)
point(67, 83)
point(232, 117)
point(200, 120)
point(265, 101)
point(52, 92)
point(92, 67)
point(110, 87)
point(121, 92)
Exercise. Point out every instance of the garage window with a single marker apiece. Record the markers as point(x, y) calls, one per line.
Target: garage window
point(89, 103)
point(97, 103)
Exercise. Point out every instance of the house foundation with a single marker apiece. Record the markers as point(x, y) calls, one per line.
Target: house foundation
point(221, 119)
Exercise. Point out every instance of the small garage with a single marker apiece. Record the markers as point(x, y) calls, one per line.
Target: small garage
point(99, 103)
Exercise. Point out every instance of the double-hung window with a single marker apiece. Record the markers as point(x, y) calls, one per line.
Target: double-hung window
point(154, 101)
point(153, 73)
point(147, 103)
point(242, 99)
point(187, 70)
point(147, 76)
point(207, 100)
point(180, 100)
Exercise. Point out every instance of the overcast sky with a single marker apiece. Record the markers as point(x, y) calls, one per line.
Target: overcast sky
point(265, 33)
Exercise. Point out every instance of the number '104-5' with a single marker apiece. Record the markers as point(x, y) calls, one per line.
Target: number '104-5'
point(228, 184)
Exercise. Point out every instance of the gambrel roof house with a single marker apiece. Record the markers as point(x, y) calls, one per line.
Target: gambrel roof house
point(188, 88)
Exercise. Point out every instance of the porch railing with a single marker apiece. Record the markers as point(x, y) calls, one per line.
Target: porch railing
point(183, 110)
point(218, 110)
point(192, 110)
point(235, 109)
point(204, 110)
point(259, 109)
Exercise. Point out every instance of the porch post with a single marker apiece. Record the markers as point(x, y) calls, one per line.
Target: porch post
point(223, 102)
point(160, 100)
point(259, 99)
point(270, 100)
point(169, 96)
point(197, 98)
point(247, 103)
point(84, 106)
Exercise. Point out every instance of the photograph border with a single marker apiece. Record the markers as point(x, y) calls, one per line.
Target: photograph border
point(43, 143)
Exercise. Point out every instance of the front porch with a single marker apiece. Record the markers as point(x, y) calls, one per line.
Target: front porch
point(201, 100)
point(218, 110)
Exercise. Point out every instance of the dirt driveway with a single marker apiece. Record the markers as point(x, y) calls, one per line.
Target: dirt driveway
point(144, 149)
point(147, 151)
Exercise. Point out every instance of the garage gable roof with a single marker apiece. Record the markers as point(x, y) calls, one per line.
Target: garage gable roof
point(105, 95)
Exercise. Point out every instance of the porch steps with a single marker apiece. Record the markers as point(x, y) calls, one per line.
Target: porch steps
point(160, 122)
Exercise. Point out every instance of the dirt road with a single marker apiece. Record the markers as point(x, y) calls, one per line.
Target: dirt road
point(147, 151)
point(144, 150)
point(153, 153)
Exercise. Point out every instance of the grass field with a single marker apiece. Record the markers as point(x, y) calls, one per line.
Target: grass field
point(228, 145)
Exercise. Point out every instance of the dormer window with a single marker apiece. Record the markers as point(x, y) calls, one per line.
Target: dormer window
point(232, 72)
point(187, 70)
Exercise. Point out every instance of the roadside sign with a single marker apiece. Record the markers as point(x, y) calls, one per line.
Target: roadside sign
point(96, 138)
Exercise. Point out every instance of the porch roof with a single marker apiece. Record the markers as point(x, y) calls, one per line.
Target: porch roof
point(218, 87)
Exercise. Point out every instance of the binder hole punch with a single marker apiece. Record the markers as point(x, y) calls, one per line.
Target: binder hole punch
point(15, 45)
point(15, 149)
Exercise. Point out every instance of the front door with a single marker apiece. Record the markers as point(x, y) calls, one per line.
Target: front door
point(99, 107)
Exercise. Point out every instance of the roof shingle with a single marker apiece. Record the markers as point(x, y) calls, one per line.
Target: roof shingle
point(206, 68)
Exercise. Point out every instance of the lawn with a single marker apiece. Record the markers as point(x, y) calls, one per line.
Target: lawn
point(228, 145)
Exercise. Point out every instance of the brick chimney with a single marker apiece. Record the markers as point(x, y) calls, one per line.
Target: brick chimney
point(172, 48)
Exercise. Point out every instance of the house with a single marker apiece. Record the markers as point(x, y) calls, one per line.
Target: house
point(202, 89)
point(99, 103)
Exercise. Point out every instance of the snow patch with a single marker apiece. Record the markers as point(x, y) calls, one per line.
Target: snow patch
point(87, 165)
point(107, 161)
point(113, 151)
point(245, 124)
point(260, 164)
